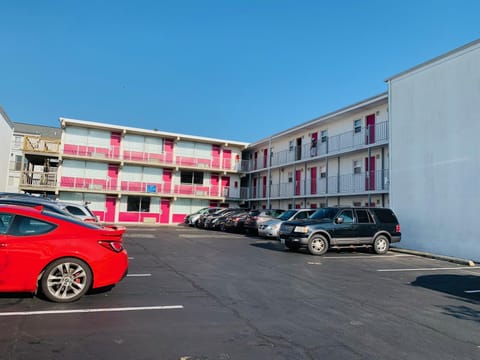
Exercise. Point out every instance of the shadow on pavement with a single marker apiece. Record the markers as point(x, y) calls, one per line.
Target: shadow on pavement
point(464, 287)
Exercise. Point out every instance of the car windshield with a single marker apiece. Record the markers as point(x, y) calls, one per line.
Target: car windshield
point(287, 215)
point(324, 214)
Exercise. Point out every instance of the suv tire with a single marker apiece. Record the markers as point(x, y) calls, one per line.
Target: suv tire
point(381, 244)
point(318, 245)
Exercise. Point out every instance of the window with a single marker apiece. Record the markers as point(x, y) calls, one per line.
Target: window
point(191, 177)
point(290, 177)
point(323, 171)
point(5, 220)
point(385, 215)
point(363, 217)
point(25, 226)
point(357, 167)
point(18, 139)
point(324, 136)
point(357, 126)
point(138, 204)
point(18, 162)
point(347, 216)
point(290, 145)
point(75, 210)
point(303, 214)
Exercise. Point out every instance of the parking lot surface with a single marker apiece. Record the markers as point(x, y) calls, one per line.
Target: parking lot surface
point(197, 294)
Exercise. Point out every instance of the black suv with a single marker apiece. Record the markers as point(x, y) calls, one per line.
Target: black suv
point(342, 226)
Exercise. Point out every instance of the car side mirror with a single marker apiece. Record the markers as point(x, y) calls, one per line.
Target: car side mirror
point(339, 220)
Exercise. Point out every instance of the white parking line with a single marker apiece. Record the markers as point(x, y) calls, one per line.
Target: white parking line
point(76, 311)
point(138, 275)
point(142, 229)
point(144, 236)
point(472, 291)
point(429, 269)
point(373, 256)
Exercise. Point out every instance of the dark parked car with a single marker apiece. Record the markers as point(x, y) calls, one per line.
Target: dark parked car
point(342, 226)
point(33, 201)
point(200, 221)
point(192, 219)
point(60, 207)
point(235, 222)
point(210, 220)
point(258, 217)
point(220, 222)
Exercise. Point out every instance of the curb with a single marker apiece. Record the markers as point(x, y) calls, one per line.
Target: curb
point(435, 256)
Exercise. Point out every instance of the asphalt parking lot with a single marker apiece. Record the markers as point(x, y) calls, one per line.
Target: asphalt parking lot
point(197, 294)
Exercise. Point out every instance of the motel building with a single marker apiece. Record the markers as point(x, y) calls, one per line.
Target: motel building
point(413, 149)
point(129, 175)
point(337, 159)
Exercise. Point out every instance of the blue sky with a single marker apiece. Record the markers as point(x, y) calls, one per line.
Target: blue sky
point(238, 70)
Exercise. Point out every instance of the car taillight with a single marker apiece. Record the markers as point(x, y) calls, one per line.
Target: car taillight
point(397, 228)
point(116, 246)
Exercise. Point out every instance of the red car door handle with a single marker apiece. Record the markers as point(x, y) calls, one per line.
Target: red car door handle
point(2, 245)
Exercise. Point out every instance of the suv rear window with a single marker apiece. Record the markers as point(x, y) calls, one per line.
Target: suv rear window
point(385, 215)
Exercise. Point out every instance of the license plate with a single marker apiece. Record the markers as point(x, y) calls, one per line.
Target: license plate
point(282, 241)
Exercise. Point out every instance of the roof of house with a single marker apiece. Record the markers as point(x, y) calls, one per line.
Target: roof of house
point(126, 129)
point(31, 129)
point(5, 116)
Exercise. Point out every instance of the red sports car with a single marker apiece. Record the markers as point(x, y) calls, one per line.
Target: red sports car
point(61, 256)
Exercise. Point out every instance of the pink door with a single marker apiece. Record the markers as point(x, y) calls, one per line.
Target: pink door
point(168, 149)
point(227, 159)
point(265, 158)
point(254, 180)
point(112, 177)
point(215, 156)
point(167, 181)
point(165, 208)
point(115, 145)
point(214, 185)
point(298, 176)
point(370, 172)
point(370, 134)
point(225, 185)
point(313, 180)
point(110, 204)
point(255, 158)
